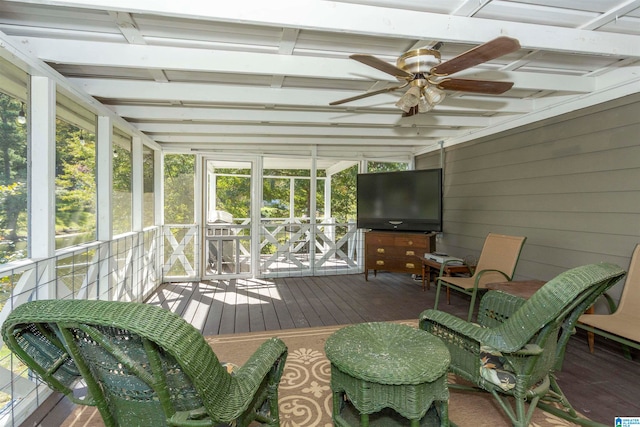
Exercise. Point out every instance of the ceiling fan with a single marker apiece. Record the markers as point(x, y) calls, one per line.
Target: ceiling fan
point(427, 77)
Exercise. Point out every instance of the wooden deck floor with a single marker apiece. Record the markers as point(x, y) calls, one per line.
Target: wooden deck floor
point(601, 385)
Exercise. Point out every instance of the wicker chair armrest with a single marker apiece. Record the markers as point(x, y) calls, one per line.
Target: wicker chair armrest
point(496, 307)
point(431, 317)
point(527, 350)
point(269, 358)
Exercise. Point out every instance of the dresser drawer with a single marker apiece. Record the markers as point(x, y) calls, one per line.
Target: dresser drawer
point(418, 241)
point(393, 251)
point(395, 264)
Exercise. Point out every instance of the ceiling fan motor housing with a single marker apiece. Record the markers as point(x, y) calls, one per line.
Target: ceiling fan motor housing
point(418, 60)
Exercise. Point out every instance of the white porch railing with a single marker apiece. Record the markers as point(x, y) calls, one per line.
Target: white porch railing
point(131, 267)
point(291, 246)
point(124, 269)
point(288, 246)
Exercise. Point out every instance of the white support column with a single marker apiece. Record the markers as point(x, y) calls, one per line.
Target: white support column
point(137, 188)
point(104, 178)
point(104, 184)
point(312, 207)
point(42, 154)
point(198, 215)
point(256, 224)
point(158, 187)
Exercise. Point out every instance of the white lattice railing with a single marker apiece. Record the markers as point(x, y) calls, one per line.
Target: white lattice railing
point(294, 247)
point(124, 269)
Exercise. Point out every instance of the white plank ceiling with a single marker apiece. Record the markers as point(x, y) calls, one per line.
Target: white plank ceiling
point(258, 76)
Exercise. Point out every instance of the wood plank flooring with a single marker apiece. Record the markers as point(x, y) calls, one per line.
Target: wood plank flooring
point(601, 385)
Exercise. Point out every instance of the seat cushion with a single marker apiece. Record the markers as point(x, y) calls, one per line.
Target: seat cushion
point(494, 370)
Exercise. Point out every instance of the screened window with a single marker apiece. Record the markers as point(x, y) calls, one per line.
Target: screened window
point(13, 158)
point(179, 175)
point(75, 173)
point(148, 207)
point(122, 182)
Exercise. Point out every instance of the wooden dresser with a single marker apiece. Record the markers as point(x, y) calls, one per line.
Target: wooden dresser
point(396, 251)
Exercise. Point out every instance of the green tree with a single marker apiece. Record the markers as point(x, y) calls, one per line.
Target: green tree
point(233, 193)
point(179, 170)
point(75, 178)
point(343, 194)
point(13, 179)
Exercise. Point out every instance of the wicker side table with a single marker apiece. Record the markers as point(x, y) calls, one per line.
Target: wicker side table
point(387, 365)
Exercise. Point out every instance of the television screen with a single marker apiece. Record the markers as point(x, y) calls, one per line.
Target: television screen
point(403, 201)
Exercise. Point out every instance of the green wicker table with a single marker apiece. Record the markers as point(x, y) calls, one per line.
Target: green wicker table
point(388, 365)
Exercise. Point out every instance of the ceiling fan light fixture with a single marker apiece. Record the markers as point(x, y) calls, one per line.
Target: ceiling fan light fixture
point(434, 94)
point(409, 99)
point(423, 105)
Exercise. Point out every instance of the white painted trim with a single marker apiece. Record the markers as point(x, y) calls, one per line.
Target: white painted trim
point(42, 161)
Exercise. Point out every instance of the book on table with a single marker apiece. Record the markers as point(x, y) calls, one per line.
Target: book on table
point(441, 258)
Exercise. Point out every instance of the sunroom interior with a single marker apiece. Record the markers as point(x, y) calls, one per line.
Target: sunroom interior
point(145, 142)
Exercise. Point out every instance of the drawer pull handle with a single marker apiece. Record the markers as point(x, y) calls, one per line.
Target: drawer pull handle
point(410, 265)
point(379, 262)
point(410, 253)
point(410, 242)
point(380, 250)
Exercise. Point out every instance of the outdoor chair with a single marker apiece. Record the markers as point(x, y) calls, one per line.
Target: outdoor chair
point(518, 344)
point(621, 324)
point(142, 365)
point(497, 263)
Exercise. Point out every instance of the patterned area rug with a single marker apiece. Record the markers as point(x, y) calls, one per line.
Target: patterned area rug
point(305, 397)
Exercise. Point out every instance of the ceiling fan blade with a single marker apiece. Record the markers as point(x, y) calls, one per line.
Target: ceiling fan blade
point(478, 86)
point(367, 94)
point(479, 54)
point(381, 65)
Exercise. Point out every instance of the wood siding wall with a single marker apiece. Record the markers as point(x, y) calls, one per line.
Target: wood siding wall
point(570, 184)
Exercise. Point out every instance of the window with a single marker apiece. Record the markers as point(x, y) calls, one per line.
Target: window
point(179, 175)
point(13, 158)
point(122, 181)
point(148, 206)
point(75, 173)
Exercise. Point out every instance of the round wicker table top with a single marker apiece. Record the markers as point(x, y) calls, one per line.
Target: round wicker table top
point(388, 353)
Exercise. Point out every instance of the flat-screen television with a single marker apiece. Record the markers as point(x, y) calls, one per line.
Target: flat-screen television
point(402, 201)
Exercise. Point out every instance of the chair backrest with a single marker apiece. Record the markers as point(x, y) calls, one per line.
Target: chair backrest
point(557, 305)
point(630, 298)
point(500, 252)
point(140, 362)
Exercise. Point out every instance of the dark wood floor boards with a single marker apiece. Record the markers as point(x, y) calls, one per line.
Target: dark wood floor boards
point(228, 318)
point(281, 318)
point(297, 312)
point(262, 291)
point(337, 295)
point(211, 325)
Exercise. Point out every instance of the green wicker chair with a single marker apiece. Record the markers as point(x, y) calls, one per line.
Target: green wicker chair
point(143, 365)
point(518, 344)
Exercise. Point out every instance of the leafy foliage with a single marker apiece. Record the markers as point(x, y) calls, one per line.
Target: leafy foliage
point(75, 179)
point(179, 178)
point(13, 180)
